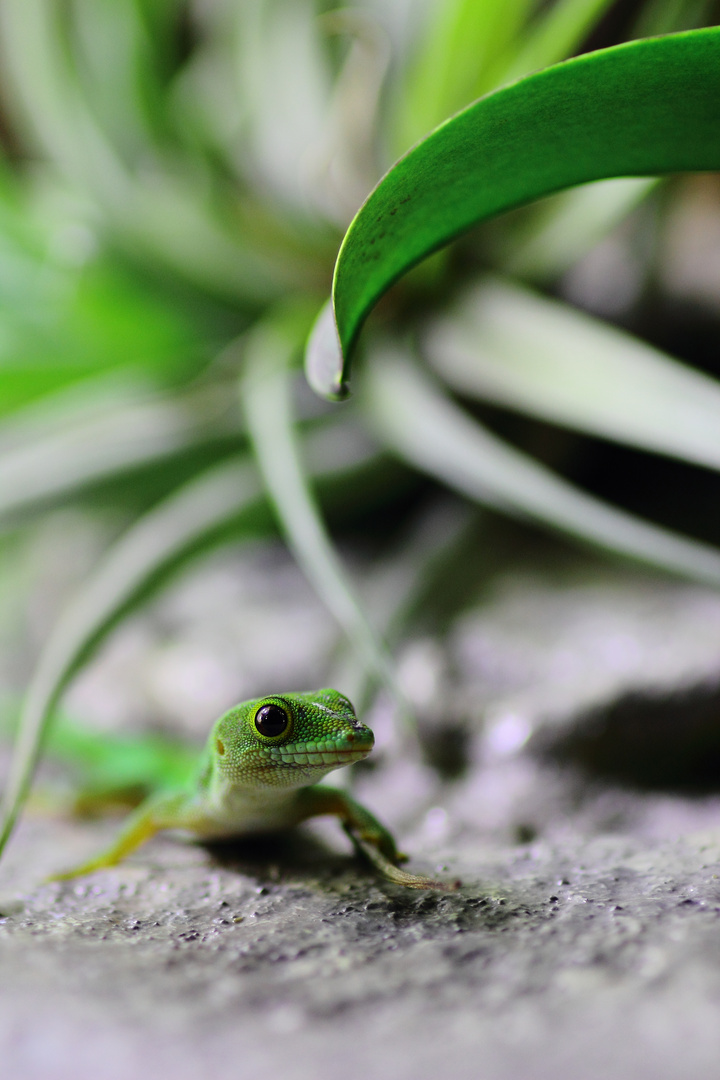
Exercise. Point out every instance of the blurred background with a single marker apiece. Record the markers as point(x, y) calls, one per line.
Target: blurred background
point(173, 174)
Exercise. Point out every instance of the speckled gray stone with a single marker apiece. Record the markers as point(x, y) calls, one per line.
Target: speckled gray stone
point(584, 942)
point(584, 958)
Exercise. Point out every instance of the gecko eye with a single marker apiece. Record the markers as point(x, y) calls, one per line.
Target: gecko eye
point(271, 721)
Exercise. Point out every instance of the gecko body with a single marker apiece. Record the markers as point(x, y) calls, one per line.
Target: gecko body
point(260, 773)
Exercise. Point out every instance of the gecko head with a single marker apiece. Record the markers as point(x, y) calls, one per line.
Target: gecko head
point(289, 740)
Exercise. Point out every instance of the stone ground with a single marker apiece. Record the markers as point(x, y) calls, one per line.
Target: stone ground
point(584, 941)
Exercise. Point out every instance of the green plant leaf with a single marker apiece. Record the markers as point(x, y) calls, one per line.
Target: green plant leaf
point(404, 404)
point(645, 108)
point(158, 210)
point(106, 763)
point(68, 312)
point(156, 540)
point(265, 392)
point(562, 229)
point(462, 40)
point(399, 589)
point(506, 344)
point(558, 31)
point(100, 429)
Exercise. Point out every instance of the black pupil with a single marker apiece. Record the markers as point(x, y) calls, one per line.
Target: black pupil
point(271, 720)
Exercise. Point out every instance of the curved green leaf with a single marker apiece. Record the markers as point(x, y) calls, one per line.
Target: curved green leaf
point(156, 540)
point(645, 108)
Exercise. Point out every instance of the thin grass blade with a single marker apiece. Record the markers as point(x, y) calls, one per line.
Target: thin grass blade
point(101, 430)
point(414, 418)
point(156, 540)
point(265, 390)
point(460, 43)
point(181, 525)
point(568, 225)
point(556, 33)
point(164, 212)
point(507, 344)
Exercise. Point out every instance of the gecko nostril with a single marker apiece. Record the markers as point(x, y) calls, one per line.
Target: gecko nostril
point(350, 737)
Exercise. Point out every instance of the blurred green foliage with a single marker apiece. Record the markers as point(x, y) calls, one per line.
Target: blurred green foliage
point(176, 179)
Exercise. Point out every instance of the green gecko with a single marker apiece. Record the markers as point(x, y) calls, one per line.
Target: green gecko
point(259, 773)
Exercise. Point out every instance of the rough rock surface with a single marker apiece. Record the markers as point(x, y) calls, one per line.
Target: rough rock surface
point(584, 942)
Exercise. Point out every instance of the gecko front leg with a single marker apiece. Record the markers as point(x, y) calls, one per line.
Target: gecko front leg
point(371, 839)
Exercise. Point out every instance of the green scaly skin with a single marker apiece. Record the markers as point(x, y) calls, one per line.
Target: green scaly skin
point(259, 773)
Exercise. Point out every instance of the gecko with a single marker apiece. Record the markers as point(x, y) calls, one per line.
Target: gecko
point(260, 773)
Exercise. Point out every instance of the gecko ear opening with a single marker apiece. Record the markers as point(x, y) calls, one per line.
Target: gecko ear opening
point(220, 747)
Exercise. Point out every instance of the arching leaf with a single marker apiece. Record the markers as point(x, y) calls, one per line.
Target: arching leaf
point(645, 108)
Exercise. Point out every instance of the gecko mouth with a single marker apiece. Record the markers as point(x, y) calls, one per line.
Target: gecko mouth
point(318, 758)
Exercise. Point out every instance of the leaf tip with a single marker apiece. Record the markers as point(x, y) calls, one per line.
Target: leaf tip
point(324, 360)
